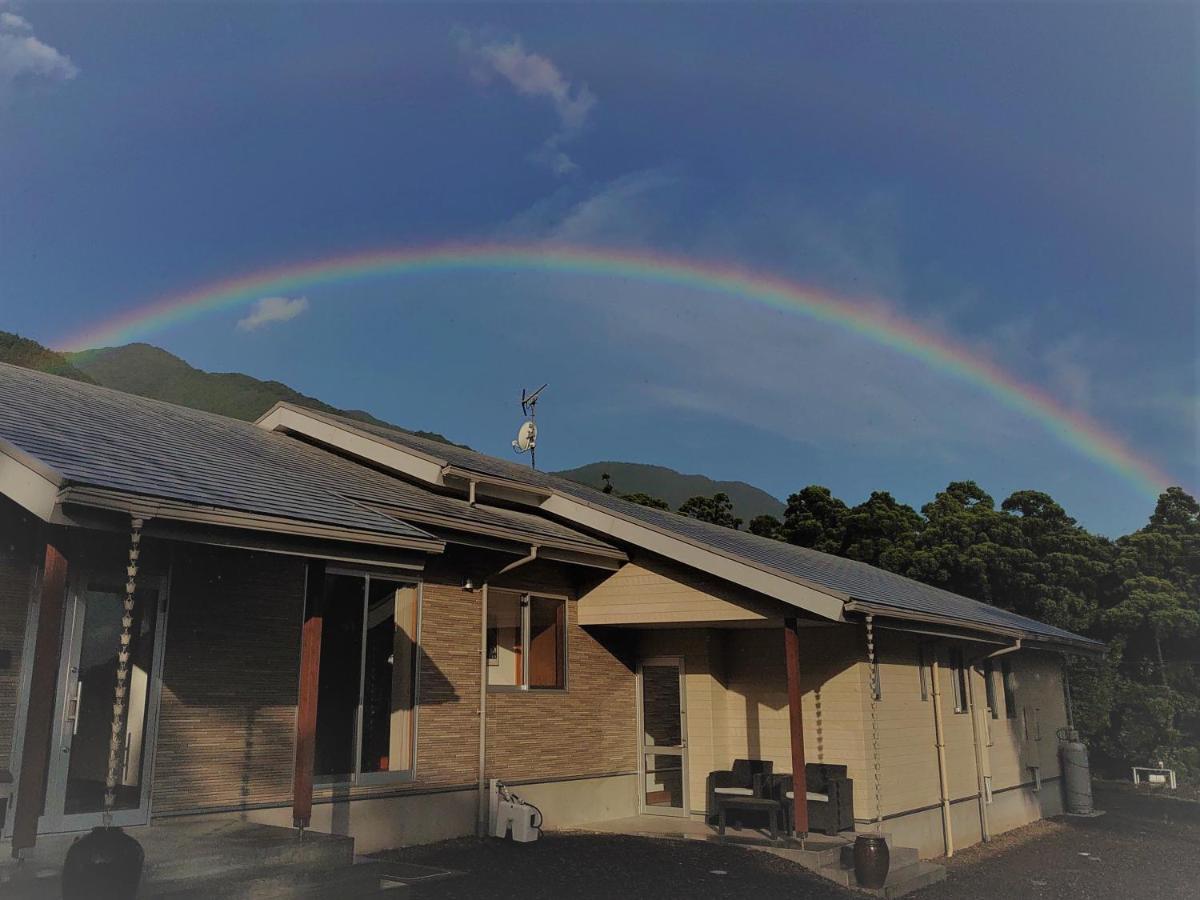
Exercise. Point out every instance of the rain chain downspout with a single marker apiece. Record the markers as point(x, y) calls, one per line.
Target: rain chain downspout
point(116, 746)
point(874, 672)
point(940, 738)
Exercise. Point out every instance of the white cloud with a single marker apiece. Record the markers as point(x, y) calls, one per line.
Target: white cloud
point(272, 309)
point(537, 76)
point(24, 58)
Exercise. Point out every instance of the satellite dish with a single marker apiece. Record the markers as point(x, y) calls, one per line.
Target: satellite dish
point(526, 437)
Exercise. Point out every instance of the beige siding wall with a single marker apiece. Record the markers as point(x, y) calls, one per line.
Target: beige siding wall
point(737, 697)
point(652, 591)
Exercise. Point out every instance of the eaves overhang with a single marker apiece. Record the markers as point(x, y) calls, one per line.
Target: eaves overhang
point(199, 514)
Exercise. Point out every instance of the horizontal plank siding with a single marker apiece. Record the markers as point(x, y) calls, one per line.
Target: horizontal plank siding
point(652, 591)
point(230, 680)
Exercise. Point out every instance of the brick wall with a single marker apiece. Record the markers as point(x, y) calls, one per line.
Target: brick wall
point(230, 677)
point(588, 729)
point(17, 568)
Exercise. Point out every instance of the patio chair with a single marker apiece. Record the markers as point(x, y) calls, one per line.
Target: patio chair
point(829, 797)
point(746, 779)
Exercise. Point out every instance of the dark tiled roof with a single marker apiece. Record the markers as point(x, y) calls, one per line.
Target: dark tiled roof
point(103, 438)
point(856, 580)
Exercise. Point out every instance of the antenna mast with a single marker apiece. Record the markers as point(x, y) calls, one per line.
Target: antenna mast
point(527, 435)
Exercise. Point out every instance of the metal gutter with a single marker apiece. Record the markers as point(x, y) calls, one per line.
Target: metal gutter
point(181, 511)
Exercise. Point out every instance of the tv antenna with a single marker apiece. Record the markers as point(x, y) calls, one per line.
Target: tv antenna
point(526, 441)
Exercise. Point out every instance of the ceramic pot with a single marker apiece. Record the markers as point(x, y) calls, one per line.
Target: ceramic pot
point(104, 864)
point(871, 860)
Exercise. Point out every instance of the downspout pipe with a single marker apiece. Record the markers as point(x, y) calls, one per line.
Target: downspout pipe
point(984, 831)
point(980, 777)
point(481, 817)
point(940, 737)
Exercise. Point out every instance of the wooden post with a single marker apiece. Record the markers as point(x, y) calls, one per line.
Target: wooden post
point(791, 643)
point(39, 720)
point(306, 711)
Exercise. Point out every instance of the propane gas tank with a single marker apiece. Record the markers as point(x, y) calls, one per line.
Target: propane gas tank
point(1077, 774)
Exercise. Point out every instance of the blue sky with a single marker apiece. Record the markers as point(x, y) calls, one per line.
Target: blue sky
point(1018, 178)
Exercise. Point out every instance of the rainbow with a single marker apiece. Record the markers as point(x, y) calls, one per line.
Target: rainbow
point(866, 320)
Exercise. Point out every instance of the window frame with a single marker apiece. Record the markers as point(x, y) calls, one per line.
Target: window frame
point(958, 675)
point(1010, 690)
point(989, 688)
point(922, 662)
point(359, 778)
point(526, 607)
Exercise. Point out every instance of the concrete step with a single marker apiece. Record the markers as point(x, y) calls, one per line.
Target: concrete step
point(901, 880)
point(912, 878)
point(238, 854)
point(283, 882)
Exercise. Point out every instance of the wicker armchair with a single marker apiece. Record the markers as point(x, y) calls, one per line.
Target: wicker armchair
point(747, 778)
point(829, 796)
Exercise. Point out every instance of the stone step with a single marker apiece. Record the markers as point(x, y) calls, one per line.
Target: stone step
point(901, 880)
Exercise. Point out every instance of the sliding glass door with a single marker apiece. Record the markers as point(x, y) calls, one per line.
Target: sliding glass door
point(367, 691)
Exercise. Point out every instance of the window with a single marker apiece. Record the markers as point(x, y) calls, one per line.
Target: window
point(989, 688)
point(366, 692)
point(921, 663)
point(526, 641)
point(1035, 773)
point(958, 670)
point(1037, 723)
point(1009, 685)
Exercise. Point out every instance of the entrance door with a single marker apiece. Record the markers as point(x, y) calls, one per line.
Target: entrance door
point(663, 728)
point(84, 705)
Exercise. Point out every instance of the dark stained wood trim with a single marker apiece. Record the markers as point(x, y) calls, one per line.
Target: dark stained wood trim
point(39, 722)
point(791, 642)
point(306, 709)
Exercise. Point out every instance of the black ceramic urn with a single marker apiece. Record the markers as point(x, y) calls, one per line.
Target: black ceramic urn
point(104, 864)
point(871, 860)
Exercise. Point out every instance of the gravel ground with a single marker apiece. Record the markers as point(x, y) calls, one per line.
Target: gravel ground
point(604, 866)
point(1144, 847)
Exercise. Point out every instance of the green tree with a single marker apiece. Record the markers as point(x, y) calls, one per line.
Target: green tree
point(646, 500)
point(881, 531)
point(766, 525)
point(717, 509)
point(815, 518)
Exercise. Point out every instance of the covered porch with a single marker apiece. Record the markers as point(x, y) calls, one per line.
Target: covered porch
point(732, 688)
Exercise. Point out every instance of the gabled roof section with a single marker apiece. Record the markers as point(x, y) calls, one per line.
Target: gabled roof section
point(63, 440)
point(820, 583)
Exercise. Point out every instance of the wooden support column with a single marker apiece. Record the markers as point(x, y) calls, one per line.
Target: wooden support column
point(791, 642)
point(39, 720)
point(306, 708)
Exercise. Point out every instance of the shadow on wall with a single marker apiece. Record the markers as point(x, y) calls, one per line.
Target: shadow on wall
point(755, 670)
point(226, 736)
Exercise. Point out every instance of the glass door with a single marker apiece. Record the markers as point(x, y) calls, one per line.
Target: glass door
point(84, 706)
point(662, 711)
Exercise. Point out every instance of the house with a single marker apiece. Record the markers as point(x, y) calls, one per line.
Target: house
point(351, 629)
